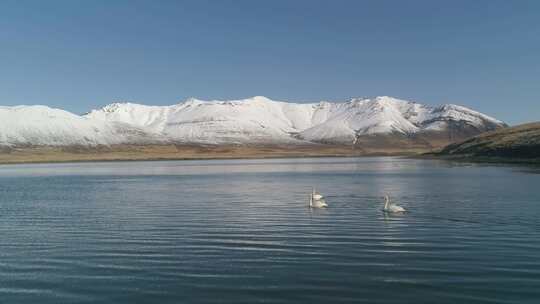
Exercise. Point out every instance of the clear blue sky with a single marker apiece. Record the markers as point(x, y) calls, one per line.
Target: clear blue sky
point(80, 55)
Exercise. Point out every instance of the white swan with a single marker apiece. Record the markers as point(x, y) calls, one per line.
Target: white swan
point(392, 208)
point(316, 200)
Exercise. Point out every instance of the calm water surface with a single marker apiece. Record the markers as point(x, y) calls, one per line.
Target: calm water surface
point(238, 231)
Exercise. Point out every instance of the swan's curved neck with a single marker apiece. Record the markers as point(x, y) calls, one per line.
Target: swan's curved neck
point(386, 201)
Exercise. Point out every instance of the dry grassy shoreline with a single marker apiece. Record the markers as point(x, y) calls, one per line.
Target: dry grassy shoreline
point(183, 152)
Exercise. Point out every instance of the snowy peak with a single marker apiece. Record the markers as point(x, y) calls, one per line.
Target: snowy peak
point(260, 119)
point(255, 120)
point(462, 113)
point(44, 126)
point(40, 125)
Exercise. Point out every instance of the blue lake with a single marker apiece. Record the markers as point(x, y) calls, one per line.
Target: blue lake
point(239, 231)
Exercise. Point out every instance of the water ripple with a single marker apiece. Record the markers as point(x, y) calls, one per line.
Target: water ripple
point(240, 231)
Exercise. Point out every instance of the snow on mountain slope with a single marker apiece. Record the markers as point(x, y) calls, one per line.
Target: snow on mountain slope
point(255, 120)
point(439, 117)
point(44, 126)
point(261, 120)
point(358, 117)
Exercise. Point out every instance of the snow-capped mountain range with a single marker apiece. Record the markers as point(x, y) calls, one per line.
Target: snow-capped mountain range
point(256, 120)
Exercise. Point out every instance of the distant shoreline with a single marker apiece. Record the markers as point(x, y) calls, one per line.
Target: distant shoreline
point(36, 155)
point(121, 153)
point(480, 159)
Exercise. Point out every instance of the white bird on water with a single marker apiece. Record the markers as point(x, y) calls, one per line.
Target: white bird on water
point(316, 200)
point(390, 207)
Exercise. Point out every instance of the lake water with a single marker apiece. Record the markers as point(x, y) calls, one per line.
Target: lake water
point(239, 231)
